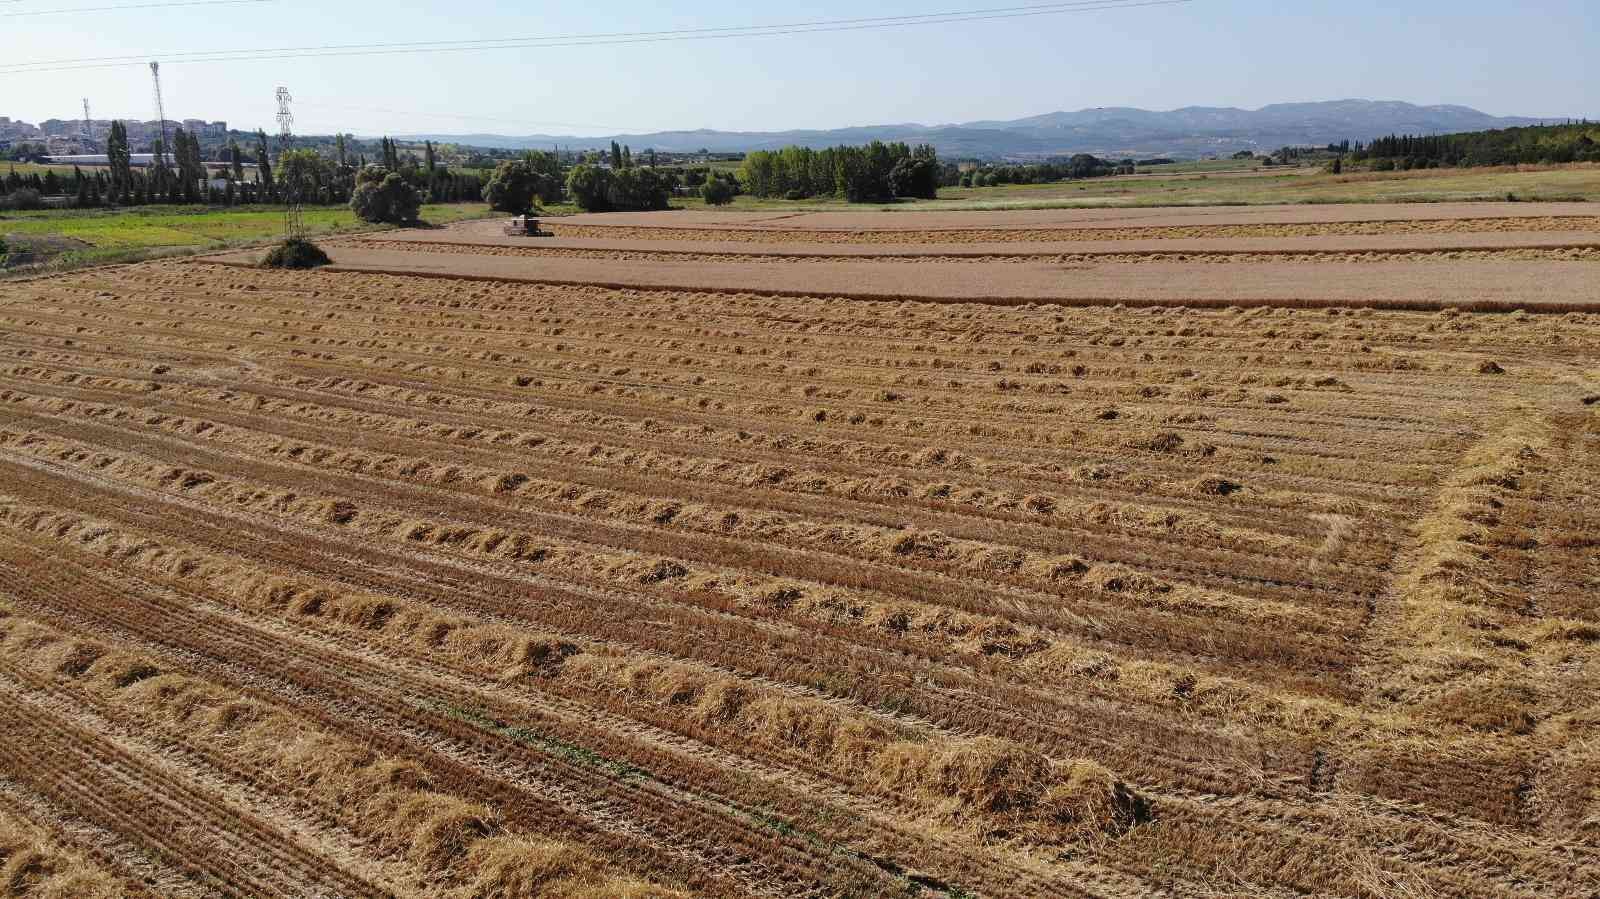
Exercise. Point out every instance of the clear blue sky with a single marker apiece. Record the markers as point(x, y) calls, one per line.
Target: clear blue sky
point(1531, 58)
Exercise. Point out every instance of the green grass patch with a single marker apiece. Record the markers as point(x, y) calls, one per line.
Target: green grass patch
point(60, 239)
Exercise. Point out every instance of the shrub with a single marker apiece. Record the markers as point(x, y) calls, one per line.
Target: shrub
point(22, 198)
point(717, 193)
point(385, 196)
point(298, 253)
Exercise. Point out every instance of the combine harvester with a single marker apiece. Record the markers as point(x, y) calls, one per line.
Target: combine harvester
point(525, 226)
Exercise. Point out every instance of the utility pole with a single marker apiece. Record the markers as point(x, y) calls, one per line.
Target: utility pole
point(160, 160)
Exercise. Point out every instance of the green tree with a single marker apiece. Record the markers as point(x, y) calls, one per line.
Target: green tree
point(237, 159)
point(263, 165)
point(590, 187)
point(301, 175)
point(915, 177)
point(119, 157)
point(430, 163)
point(616, 155)
point(383, 195)
point(513, 188)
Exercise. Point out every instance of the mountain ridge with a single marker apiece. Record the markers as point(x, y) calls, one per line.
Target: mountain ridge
point(1189, 131)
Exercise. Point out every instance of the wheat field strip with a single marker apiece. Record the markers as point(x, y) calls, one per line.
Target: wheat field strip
point(660, 495)
point(923, 454)
point(804, 668)
point(271, 667)
point(756, 467)
point(1093, 328)
point(170, 477)
point(933, 621)
point(131, 793)
point(1309, 535)
point(1541, 346)
point(703, 352)
point(493, 762)
point(1200, 432)
point(663, 501)
point(70, 855)
point(509, 451)
point(501, 706)
point(381, 717)
point(989, 336)
point(588, 382)
point(303, 830)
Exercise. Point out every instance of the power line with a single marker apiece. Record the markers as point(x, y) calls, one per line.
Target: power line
point(476, 118)
point(643, 37)
point(1061, 6)
point(80, 9)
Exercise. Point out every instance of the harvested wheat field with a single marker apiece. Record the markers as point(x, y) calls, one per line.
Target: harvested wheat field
point(349, 583)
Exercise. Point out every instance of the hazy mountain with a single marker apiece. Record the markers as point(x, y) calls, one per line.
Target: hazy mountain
point(1192, 131)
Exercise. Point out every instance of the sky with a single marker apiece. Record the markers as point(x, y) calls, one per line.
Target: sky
point(1535, 58)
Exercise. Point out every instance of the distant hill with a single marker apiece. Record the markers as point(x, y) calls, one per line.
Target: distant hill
point(1111, 131)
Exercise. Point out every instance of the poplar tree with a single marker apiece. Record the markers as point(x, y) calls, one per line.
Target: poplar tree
point(263, 163)
point(118, 157)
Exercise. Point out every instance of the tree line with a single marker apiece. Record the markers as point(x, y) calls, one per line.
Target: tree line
point(180, 175)
point(600, 182)
point(874, 172)
point(1533, 145)
point(1075, 167)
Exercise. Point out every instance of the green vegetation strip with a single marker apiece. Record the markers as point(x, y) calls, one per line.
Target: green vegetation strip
point(67, 238)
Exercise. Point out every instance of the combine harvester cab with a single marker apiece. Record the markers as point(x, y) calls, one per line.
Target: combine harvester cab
point(525, 226)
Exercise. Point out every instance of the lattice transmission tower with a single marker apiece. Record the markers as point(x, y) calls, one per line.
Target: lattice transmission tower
point(160, 161)
point(293, 224)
